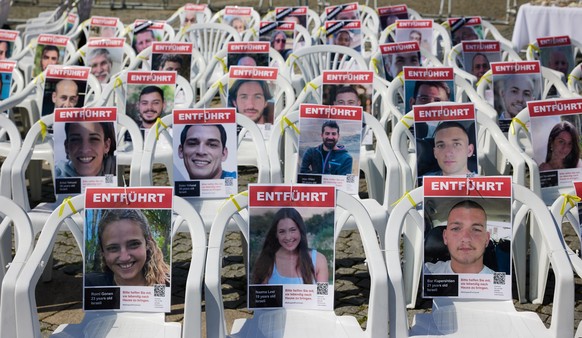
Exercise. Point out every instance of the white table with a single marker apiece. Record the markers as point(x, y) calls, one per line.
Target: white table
point(539, 21)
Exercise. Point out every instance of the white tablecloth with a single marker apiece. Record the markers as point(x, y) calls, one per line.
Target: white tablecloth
point(534, 22)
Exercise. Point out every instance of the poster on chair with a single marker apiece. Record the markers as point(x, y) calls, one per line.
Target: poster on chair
point(251, 91)
point(329, 146)
point(64, 87)
point(127, 249)
point(84, 147)
point(465, 29)
point(105, 57)
point(146, 32)
point(103, 27)
point(424, 85)
point(193, 13)
point(172, 56)
point(555, 127)
point(514, 84)
point(445, 137)
point(468, 235)
point(205, 152)
point(149, 96)
point(249, 54)
point(297, 14)
point(389, 14)
point(291, 246)
point(556, 52)
point(350, 88)
point(6, 69)
point(349, 11)
point(238, 18)
point(346, 33)
point(477, 57)
point(397, 55)
point(280, 34)
point(7, 41)
point(415, 30)
point(50, 50)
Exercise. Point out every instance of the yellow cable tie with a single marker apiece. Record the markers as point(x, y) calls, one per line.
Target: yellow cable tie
point(142, 57)
point(375, 64)
point(534, 47)
point(484, 77)
point(569, 199)
point(400, 76)
point(290, 124)
point(232, 198)
point(43, 129)
point(446, 25)
point(254, 31)
point(158, 122)
point(117, 83)
point(310, 84)
point(65, 202)
point(518, 121)
point(572, 78)
point(402, 120)
point(456, 51)
point(39, 79)
point(221, 60)
point(407, 195)
point(221, 87)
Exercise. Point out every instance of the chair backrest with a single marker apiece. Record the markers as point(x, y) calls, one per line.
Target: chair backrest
point(562, 311)
point(209, 38)
point(253, 23)
point(574, 80)
point(177, 18)
point(10, 268)
point(25, 309)
point(11, 143)
point(215, 316)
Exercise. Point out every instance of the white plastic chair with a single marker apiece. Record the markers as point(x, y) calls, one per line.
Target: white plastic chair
point(575, 80)
point(178, 16)
point(11, 213)
point(285, 323)
point(480, 318)
point(168, 33)
point(206, 207)
point(253, 23)
point(310, 62)
point(118, 324)
point(84, 29)
point(378, 163)
point(209, 38)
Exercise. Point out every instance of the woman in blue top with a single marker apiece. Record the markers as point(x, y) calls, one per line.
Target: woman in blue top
point(285, 257)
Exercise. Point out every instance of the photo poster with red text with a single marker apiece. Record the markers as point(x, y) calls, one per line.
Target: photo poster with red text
point(50, 50)
point(578, 189)
point(150, 95)
point(205, 152)
point(297, 14)
point(389, 14)
point(476, 57)
point(251, 91)
point(291, 246)
point(555, 52)
point(6, 69)
point(445, 138)
point(84, 146)
point(280, 34)
point(347, 33)
point(128, 249)
point(329, 146)
point(349, 11)
point(424, 85)
point(105, 57)
point(193, 13)
point(249, 54)
point(172, 56)
point(468, 235)
point(64, 87)
point(71, 23)
point(238, 18)
point(7, 40)
point(465, 29)
point(103, 27)
point(415, 30)
point(146, 32)
point(555, 127)
point(514, 84)
point(396, 55)
point(350, 88)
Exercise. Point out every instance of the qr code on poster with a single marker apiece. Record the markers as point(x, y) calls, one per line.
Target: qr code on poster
point(228, 181)
point(108, 178)
point(499, 278)
point(159, 290)
point(322, 288)
point(350, 178)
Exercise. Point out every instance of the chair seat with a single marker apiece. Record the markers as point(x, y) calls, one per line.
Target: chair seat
point(120, 325)
point(477, 318)
point(272, 324)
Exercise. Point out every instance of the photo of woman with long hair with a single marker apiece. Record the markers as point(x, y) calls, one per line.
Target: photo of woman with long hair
point(563, 149)
point(130, 255)
point(285, 257)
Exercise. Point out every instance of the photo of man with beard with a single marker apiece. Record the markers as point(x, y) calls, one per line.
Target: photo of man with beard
point(150, 105)
point(330, 157)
